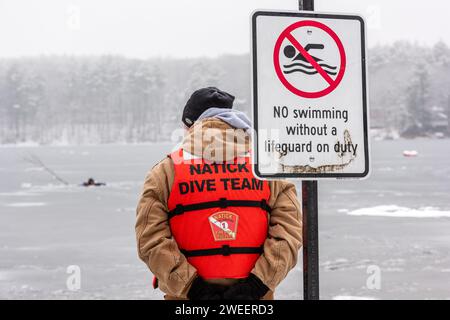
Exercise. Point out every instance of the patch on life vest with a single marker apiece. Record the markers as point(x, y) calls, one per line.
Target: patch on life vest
point(224, 225)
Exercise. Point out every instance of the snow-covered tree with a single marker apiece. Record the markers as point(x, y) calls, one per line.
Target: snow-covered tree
point(418, 97)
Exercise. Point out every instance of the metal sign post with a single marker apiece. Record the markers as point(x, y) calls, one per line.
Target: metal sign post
point(310, 222)
point(310, 240)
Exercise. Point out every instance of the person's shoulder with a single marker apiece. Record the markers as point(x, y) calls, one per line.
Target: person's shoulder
point(159, 179)
point(278, 186)
point(280, 183)
point(164, 166)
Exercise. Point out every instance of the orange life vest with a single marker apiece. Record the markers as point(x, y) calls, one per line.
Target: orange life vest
point(218, 215)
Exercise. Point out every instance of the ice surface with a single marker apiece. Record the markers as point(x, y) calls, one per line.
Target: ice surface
point(352, 298)
point(93, 228)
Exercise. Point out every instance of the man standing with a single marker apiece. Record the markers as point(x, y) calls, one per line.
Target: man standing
point(206, 226)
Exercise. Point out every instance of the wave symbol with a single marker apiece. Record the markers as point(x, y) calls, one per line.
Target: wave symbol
point(310, 70)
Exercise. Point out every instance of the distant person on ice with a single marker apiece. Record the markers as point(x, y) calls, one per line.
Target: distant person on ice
point(92, 183)
point(206, 227)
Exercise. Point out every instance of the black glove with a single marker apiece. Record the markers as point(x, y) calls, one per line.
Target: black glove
point(202, 290)
point(251, 288)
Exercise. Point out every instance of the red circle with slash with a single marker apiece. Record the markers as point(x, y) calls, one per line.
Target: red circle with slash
point(287, 34)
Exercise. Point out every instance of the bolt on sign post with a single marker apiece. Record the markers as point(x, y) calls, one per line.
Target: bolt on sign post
point(309, 106)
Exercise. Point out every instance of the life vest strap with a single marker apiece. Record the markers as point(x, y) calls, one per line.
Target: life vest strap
point(225, 250)
point(221, 203)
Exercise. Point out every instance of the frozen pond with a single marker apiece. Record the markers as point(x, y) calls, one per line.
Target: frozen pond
point(398, 220)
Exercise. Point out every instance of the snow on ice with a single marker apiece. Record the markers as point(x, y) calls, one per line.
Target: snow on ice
point(400, 212)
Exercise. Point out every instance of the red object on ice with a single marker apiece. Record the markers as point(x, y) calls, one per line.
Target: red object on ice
point(410, 153)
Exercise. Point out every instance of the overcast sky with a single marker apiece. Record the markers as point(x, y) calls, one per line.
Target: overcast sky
point(183, 28)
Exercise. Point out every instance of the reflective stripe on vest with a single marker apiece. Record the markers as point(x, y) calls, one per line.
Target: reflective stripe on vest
point(218, 215)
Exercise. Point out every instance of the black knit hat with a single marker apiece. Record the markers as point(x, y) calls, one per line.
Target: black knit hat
point(204, 99)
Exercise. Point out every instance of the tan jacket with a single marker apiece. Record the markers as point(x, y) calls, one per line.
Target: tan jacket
point(158, 249)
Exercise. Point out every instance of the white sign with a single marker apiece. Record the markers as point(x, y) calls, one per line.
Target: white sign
point(309, 95)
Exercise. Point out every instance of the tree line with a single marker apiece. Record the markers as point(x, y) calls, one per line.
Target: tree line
point(109, 99)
